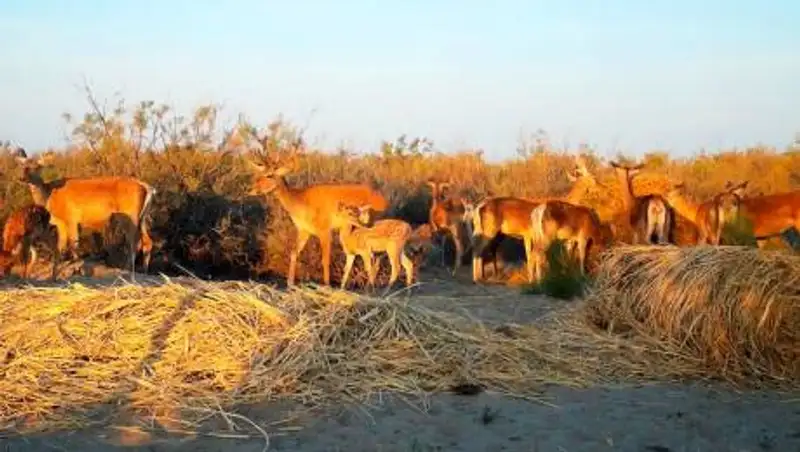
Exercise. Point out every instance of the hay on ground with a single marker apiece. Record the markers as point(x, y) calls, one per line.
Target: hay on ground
point(174, 352)
point(734, 310)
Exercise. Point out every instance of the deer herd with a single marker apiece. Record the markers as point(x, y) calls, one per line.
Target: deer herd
point(355, 211)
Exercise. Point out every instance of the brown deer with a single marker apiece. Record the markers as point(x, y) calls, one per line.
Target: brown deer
point(24, 228)
point(578, 226)
point(313, 209)
point(770, 215)
point(90, 203)
point(446, 217)
point(708, 217)
point(364, 237)
point(649, 215)
point(512, 216)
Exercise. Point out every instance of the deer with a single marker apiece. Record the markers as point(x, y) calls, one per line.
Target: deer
point(313, 209)
point(708, 217)
point(446, 216)
point(512, 216)
point(579, 226)
point(364, 237)
point(647, 215)
point(23, 228)
point(90, 203)
point(770, 215)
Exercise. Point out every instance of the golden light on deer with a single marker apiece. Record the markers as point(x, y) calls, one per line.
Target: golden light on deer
point(446, 217)
point(769, 215)
point(707, 217)
point(649, 215)
point(313, 209)
point(90, 203)
point(23, 229)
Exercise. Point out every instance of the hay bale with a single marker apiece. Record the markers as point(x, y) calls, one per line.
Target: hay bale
point(733, 310)
point(173, 352)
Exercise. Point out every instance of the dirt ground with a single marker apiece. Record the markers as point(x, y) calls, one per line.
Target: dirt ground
point(657, 418)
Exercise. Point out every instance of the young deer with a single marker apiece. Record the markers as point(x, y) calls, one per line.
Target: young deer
point(90, 203)
point(578, 226)
point(24, 227)
point(313, 209)
point(647, 215)
point(446, 216)
point(363, 237)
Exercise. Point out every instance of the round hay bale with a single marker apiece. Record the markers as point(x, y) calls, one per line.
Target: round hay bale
point(735, 310)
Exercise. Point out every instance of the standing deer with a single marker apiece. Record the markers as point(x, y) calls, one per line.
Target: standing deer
point(708, 217)
point(365, 238)
point(24, 228)
point(446, 217)
point(89, 203)
point(313, 209)
point(512, 216)
point(770, 215)
point(647, 215)
point(578, 226)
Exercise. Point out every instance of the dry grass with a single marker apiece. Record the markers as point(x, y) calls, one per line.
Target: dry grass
point(734, 311)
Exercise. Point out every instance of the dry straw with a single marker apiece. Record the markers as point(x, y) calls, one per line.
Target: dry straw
point(175, 352)
point(732, 311)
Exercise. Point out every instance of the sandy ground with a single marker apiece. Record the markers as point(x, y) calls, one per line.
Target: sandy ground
point(653, 418)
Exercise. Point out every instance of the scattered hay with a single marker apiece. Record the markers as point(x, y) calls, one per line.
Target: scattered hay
point(175, 352)
point(732, 311)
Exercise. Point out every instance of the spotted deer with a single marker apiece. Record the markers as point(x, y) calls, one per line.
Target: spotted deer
point(313, 209)
point(362, 236)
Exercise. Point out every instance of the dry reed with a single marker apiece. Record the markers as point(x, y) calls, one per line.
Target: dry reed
point(733, 311)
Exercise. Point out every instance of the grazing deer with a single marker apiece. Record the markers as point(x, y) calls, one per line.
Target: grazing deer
point(770, 215)
point(313, 209)
point(24, 227)
point(647, 215)
point(363, 237)
point(578, 226)
point(512, 216)
point(708, 217)
point(446, 216)
point(90, 203)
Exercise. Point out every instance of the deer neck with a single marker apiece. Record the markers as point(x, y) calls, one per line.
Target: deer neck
point(685, 207)
point(287, 196)
point(348, 236)
point(625, 181)
point(40, 192)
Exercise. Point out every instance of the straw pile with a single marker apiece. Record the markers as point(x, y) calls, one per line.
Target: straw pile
point(76, 355)
point(731, 312)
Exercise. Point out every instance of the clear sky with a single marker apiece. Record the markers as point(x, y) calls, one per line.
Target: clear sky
point(636, 75)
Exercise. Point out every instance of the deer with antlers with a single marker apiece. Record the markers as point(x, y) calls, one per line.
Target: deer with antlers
point(770, 215)
point(650, 215)
point(512, 216)
point(313, 209)
point(90, 203)
point(446, 217)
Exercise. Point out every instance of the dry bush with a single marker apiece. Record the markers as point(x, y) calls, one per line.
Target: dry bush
point(735, 311)
point(202, 219)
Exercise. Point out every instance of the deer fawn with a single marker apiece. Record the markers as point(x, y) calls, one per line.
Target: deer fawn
point(363, 237)
point(578, 226)
point(648, 215)
point(90, 203)
point(24, 227)
point(313, 209)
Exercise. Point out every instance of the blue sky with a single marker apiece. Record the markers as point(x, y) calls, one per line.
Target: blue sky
point(633, 75)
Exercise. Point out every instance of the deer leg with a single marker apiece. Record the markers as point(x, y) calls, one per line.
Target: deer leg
point(408, 266)
point(348, 267)
point(394, 261)
point(528, 257)
point(325, 242)
point(369, 266)
point(61, 246)
point(454, 232)
point(300, 243)
point(146, 246)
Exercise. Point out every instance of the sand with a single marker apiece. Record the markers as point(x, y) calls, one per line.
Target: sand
point(656, 418)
